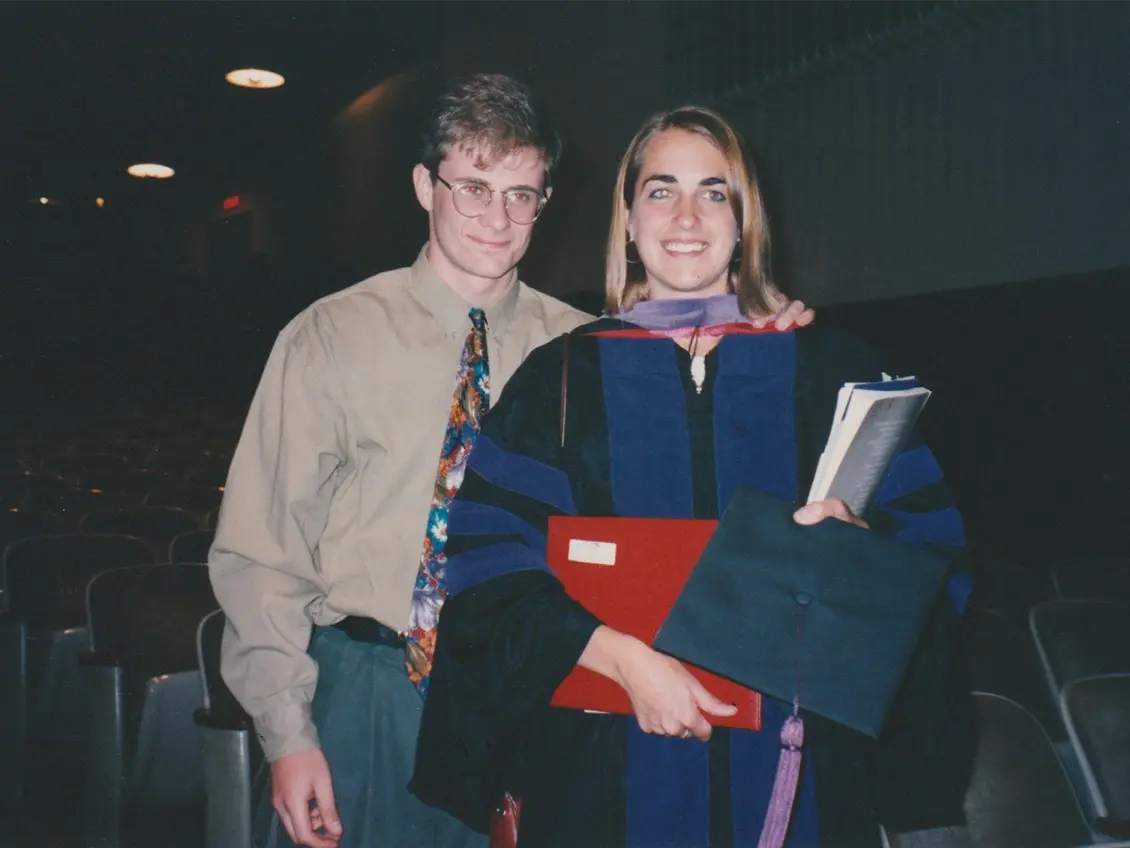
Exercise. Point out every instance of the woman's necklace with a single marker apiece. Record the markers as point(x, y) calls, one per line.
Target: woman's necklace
point(698, 372)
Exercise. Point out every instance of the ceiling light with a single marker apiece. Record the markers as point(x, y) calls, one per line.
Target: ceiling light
point(255, 78)
point(150, 170)
point(99, 202)
point(44, 201)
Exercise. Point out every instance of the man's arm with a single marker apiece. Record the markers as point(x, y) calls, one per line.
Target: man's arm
point(262, 563)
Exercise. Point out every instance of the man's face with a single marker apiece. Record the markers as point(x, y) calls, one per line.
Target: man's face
point(475, 254)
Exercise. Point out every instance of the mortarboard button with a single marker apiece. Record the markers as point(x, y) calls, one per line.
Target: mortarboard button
point(803, 598)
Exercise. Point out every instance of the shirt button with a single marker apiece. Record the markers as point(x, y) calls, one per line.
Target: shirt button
point(803, 598)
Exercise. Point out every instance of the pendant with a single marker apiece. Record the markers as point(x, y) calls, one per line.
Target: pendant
point(698, 372)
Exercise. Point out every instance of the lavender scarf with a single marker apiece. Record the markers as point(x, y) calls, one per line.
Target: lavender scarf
point(671, 316)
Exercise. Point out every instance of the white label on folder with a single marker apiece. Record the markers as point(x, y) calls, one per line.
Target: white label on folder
point(593, 553)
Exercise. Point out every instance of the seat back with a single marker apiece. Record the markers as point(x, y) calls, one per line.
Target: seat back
point(1097, 710)
point(1020, 793)
point(218, 698)
point(215, 473)
point(1078, 639)
point(16, 524)
point(71, 504)
point(1003, 660)
point(13, 489)
point(46, 576)
point(1010, 587)
point(81, 467)
point(156, 524)
point(129, 483)
point(194, 468)
point(230, 750)
point(1093, 579)
point(199, 500)
point(192, 546)
point(147, 616)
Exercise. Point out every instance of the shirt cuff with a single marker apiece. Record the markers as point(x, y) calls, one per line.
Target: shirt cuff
point(286, 730)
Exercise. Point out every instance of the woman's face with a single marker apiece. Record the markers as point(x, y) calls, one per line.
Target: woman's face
point(681, 220)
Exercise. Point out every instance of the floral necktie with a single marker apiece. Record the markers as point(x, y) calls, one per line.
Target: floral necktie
point(468, 405)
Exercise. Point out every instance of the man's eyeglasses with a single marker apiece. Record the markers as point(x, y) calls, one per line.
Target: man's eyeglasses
point(472, 198)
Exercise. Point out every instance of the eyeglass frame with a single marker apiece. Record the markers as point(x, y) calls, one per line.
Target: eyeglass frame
point(543, 198)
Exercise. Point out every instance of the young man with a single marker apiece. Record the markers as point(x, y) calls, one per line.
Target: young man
point(328, 555)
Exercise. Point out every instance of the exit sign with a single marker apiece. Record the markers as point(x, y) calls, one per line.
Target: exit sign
point(231, 203)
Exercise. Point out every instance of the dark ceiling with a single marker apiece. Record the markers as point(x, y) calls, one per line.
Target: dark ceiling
point(89, 87)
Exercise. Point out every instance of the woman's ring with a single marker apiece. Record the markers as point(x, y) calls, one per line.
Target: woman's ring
point(686, 734)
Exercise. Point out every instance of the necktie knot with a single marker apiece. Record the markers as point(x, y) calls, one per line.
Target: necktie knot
point(478, 319)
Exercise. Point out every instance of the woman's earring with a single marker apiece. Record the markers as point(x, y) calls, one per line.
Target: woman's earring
point(631, 254)
point(736, 256)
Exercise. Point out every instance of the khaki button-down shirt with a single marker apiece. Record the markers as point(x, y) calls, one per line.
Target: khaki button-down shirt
point(328, 495)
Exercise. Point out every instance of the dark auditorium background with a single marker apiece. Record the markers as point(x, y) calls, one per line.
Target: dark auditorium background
point(947, 179)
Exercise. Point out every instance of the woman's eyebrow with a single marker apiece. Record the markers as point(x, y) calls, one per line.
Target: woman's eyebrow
point(670, 180)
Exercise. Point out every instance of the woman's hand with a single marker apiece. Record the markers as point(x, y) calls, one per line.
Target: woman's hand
point(817, 511)
point(666, 698)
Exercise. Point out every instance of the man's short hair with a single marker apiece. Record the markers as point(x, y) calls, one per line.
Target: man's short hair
point(493, 114)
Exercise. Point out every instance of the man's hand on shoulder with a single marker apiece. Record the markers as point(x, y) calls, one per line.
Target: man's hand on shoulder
point(296, 780)
point(789, 312)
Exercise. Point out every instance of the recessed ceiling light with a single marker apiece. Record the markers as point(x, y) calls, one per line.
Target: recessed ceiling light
point(150, 170)
point(99, 202)
point(255, 78)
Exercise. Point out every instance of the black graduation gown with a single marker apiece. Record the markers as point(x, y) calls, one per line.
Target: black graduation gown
point(509, 634)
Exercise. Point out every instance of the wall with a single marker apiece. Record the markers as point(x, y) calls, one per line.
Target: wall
point(595, 64)
point(375, 143)
point(974, 155)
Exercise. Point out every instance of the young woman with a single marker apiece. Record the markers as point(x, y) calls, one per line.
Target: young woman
point(672, 404)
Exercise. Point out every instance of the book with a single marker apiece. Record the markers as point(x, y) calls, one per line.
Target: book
point(871, 425)
point(628, 572)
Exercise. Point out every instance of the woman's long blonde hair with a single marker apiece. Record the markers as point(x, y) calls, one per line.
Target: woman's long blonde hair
point(750, 279)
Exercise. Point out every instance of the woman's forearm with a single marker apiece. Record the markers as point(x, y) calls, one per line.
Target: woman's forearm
point(608, 651)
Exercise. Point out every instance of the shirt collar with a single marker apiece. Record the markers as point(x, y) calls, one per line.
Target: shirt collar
point(450, 309)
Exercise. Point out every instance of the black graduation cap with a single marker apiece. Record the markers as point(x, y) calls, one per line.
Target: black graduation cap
point(830, 613)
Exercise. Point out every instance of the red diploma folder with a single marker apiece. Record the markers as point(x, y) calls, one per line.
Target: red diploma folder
point(628, 572)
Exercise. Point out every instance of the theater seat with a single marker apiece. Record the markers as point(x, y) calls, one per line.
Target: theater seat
point(198, 500)
point(1077, 639)
point(13, 707)
point(1004, 661)
point(18, 523)
point(192, 546)
point(1105, 579)
point(231, 752)
point(1020, 794)
point(158, 525)
point(1097, 712)
point(43, 632)
point(142, 689)
point(71, 504)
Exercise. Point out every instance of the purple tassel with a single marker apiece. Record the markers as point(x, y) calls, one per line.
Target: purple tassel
point(780, 810)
